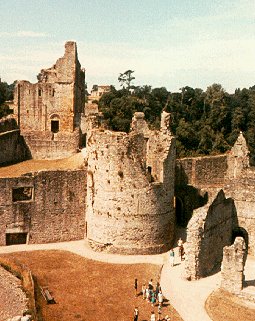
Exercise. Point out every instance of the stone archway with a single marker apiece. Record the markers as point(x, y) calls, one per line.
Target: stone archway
point(240, 232)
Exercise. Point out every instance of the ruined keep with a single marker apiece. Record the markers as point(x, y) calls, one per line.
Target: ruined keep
point(130, 193)
point(48, 113)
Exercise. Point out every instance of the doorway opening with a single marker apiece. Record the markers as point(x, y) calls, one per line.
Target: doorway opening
point(179, 211)
point(55, 126)
point(16, 238)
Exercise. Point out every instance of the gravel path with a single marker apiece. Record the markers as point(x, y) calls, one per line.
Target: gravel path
point(187, 297)
point(13, 300)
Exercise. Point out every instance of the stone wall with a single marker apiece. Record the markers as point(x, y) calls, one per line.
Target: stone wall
point(202, 171)
point(48, 145)
point(12, 146)
point(242, 190)
point(209, 230)
point(51, 109)
point(7, 124)
point(49, 206)
point(130, 206)
point(232, 268)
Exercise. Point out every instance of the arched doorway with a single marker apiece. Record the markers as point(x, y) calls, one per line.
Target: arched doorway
point(240, 231)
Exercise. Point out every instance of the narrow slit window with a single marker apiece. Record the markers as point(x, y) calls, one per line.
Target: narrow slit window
point(39, 92)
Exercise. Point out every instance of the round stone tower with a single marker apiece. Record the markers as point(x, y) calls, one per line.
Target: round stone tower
point(130, 196)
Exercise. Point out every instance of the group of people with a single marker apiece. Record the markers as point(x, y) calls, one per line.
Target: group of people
point(152, 295)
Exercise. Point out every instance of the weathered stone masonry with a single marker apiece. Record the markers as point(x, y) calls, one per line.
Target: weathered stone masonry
point(48, 113)
point(48, 206)
point(232, 174)
point(232, 268)
point(209, 230)
point(131, 191)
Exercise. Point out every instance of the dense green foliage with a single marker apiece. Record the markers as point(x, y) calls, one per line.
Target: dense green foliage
point(204, 122)
point(6, 93)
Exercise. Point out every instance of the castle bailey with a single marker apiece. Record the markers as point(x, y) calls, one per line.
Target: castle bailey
point(123, 193)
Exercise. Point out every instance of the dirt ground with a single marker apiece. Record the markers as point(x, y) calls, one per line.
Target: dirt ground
point(222, 305)
point(73, 162)
point(87, 290)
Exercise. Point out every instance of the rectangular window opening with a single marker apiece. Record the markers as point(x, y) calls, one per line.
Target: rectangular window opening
point(39, 92)
point(55, 126)
point(22, 194)
point(16, 238)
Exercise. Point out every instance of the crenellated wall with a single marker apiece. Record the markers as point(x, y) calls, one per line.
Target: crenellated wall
point(130, 206)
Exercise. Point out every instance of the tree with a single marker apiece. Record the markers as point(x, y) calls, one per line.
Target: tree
point(6, 93)
point(126, 78)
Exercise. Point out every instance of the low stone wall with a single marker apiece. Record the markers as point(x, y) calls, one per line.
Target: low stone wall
point(52, 208)
point(8, 123)
point(13, 297)
point(12, 146)
point(209, 230)
point(47, 145)
point(202, 171)
point(232, 267)
point(27, 286)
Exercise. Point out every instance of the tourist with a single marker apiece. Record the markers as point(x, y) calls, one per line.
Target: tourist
point(144, 291)
point(150, 285)
point(153, 299)
point(136, 313)
point(159, 312)
point(26, 317)
point(180, 246)
point(153, 316)
point(157, 289)
point(135, 287)
point(171, 257)
point(181, 249)
point(148, 294)
point(160, 298)
point(180, 242)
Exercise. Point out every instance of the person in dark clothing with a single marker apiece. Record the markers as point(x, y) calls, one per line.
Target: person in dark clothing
point(135, 285)
point(136, 313)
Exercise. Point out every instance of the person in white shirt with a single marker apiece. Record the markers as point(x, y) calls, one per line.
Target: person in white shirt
point(153, 316)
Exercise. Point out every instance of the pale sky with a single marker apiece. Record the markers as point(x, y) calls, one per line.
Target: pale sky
point(170, 43)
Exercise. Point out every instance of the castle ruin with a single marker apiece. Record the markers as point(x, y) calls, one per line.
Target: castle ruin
point(48, 113)
point(127, 192)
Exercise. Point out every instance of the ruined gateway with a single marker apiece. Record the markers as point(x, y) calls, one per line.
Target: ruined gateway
point(123, 193)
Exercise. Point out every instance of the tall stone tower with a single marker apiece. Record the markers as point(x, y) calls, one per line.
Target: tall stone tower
point(130, 189)
point(49, 112)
